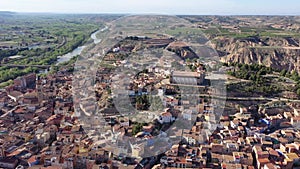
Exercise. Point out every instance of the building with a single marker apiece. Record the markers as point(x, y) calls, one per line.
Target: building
point(270, 166)
point(25, 81)
point(187, 78)
point(243, 158)
point(8, 162)
point(2, 151)
point(137, 150)
point(217, 148)
point(15, 95)
point(187, 115)
point(166, 117)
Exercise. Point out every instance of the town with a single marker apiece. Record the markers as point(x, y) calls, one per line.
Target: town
point(44, 127)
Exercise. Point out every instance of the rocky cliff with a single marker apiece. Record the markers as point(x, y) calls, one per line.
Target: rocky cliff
point(279, 53)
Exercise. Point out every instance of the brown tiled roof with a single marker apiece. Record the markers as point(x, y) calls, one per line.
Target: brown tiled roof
point(271, 166)
point(15, 93)
point(31, 159)
point(264, 160)
point(20, 111)
point(273, 153)
point(178, 44)
point(166, 114)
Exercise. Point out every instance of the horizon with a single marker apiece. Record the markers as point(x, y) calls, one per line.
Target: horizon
point(167, 7)
point(83, 13)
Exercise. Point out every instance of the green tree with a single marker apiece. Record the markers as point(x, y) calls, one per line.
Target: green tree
point(298, 91)
point(295, 76)
point(283, 72)
point(137, 128)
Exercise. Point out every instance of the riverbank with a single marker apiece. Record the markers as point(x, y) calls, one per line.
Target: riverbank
point(79, 49)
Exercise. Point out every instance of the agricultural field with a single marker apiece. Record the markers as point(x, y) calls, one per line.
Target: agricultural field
point(38, 39)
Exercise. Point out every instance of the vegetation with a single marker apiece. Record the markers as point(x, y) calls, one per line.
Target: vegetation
point(252, 72)
point(260, 84)
point(294, 76)
point(11, 52)
point(68, 65)
point(185, 31)
point(142, 102)
point(137, 128)
point(156, 103)
point(256, 75)
point(12, 73)
point(40, 39)
point(5, 84)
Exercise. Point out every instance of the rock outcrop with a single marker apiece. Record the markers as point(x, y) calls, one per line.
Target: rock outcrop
point(279, 53)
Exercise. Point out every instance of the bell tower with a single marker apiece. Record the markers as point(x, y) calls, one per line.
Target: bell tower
point(39, 89)
point(2, 151)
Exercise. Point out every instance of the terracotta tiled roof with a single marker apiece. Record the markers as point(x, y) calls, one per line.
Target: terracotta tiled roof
point(166, 114)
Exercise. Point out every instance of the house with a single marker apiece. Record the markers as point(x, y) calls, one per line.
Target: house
point(34, 160)
point(243, 158)
point(274, 155)
point(191, 139)
point(44, 112)
point(137, 150)
point(3, 99)
point(262, 162)
point(166, 117)
point(124, 122)
point(231, 166)
point(42, 138)
point(52, 167)
point(148, 129)
point(54, 119)
point(8, 162)
point(25, 81)
point(169, 100)
point(270, 166)
point(23, 135)
point(217, 148)
point(30, 98)
point(295, 121)
point(15, 95)
point(292, 148)
point(181, 163)
point(23, 113)
point(230, 147)
point(292, 159)
point(187, 115)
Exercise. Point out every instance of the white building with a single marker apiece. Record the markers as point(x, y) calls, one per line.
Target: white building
point(187, 78)
point(166, 117)
point(187, 114)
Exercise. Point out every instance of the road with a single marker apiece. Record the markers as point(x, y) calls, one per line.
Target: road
point(22, 66)
point(249, 98)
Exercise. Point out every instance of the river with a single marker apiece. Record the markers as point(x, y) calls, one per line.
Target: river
point(94, 35)
point(79, 49)
point(68, 56)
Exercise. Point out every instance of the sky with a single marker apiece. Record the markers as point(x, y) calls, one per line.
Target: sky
point(192, 7)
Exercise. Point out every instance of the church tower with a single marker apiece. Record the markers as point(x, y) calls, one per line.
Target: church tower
point(2, 151)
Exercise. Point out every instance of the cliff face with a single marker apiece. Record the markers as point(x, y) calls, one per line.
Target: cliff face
point(280, 53)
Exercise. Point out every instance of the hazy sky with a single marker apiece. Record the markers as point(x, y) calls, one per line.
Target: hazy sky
point(204, 7)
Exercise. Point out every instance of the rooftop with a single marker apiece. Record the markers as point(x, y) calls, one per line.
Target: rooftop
point(185, 74)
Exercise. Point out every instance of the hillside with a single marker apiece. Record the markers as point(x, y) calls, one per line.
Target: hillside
point(279, 53)
point(272, 41)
